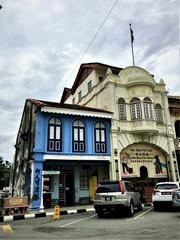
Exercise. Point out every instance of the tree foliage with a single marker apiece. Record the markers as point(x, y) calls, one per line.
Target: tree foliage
point(5, 167)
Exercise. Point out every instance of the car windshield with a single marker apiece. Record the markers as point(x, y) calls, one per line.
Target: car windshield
point(111, 187)
point(167, 186)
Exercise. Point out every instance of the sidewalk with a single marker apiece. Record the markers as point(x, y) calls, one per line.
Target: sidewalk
point(48, 212)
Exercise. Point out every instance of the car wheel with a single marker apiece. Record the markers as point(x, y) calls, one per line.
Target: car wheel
point(100, 213)
point(140, 207)
point(131, 210)
point(155, 207)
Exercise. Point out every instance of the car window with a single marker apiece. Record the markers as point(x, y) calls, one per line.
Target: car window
point(132, 187)
point(166, 186)
point(114, 187)
point(129, 187)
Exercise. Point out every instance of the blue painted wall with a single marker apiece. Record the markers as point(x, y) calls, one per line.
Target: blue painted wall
point(41, 139)
point(67, 120)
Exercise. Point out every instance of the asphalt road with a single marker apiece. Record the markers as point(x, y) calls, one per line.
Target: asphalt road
point(146, 224)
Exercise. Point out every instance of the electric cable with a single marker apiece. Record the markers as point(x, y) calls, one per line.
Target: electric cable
point(92, 40)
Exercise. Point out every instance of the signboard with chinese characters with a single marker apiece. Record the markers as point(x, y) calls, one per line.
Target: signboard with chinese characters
point(140, 155)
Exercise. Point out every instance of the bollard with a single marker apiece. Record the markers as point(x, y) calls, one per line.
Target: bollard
point(57, 212)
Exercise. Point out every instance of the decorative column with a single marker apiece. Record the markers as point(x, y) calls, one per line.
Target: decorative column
point(41, 200)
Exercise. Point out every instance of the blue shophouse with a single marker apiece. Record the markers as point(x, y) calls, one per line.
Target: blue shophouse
point(62, 151)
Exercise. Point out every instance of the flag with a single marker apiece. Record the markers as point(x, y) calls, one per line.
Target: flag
point(132, 34)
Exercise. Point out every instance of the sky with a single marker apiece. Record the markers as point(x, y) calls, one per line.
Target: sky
point(43, 43)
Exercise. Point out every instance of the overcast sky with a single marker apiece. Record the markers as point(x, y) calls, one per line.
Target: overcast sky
point(43, 43)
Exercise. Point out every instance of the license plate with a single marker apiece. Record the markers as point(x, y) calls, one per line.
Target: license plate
point(108, 198)
point(166, 193)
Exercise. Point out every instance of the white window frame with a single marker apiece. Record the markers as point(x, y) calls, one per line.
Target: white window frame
point(159, 114)
point(78, 136)
point(100, 138)
point(135, 106)
point(54, 134)
point(148, 108)
point(122, 109)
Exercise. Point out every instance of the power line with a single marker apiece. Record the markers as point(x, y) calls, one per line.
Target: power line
point(93, 39)
point(99, 29)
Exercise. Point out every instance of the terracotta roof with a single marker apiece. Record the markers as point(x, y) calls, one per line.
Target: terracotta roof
point(174, 102)
point(42, 103)
point(174, 97)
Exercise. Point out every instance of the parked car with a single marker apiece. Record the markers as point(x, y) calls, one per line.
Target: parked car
point(162, 194)
point(176, 199)
point(116, 195)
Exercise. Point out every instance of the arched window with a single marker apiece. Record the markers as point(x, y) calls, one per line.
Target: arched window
point(159, 113)
point(122, 109)
point(177, 128)
point(135, 106)
point(78, 136)
point(148, 108)
point(100, 138)
point(54, 135)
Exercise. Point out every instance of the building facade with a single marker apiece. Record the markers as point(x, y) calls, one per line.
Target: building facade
point(174, 107)
point(142, 135)
point(62, 150)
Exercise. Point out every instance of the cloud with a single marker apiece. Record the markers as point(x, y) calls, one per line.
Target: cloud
point(43, 43)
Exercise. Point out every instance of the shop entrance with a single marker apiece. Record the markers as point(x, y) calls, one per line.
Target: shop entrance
point(66, 188)
point(143, 173)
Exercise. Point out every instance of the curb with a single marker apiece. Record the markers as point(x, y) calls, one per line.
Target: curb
point(42, 214)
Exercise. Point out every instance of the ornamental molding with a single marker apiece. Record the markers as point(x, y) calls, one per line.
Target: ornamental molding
point(76, 112)
point(76, 157)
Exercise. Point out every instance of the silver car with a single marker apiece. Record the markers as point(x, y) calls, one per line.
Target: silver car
point(116, 195)
point(176, 199)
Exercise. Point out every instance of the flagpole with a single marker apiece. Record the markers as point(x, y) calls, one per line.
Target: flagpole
point(132, 39)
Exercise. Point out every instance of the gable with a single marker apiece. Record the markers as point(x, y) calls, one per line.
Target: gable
point(84, 71)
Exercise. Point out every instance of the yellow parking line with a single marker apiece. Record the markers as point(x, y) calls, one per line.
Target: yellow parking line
point(7, 228)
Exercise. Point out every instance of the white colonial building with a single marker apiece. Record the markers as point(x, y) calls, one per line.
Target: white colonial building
point(142, 136)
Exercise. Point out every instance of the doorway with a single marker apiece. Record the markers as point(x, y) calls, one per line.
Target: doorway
point(66, 188)
point(143, 173)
